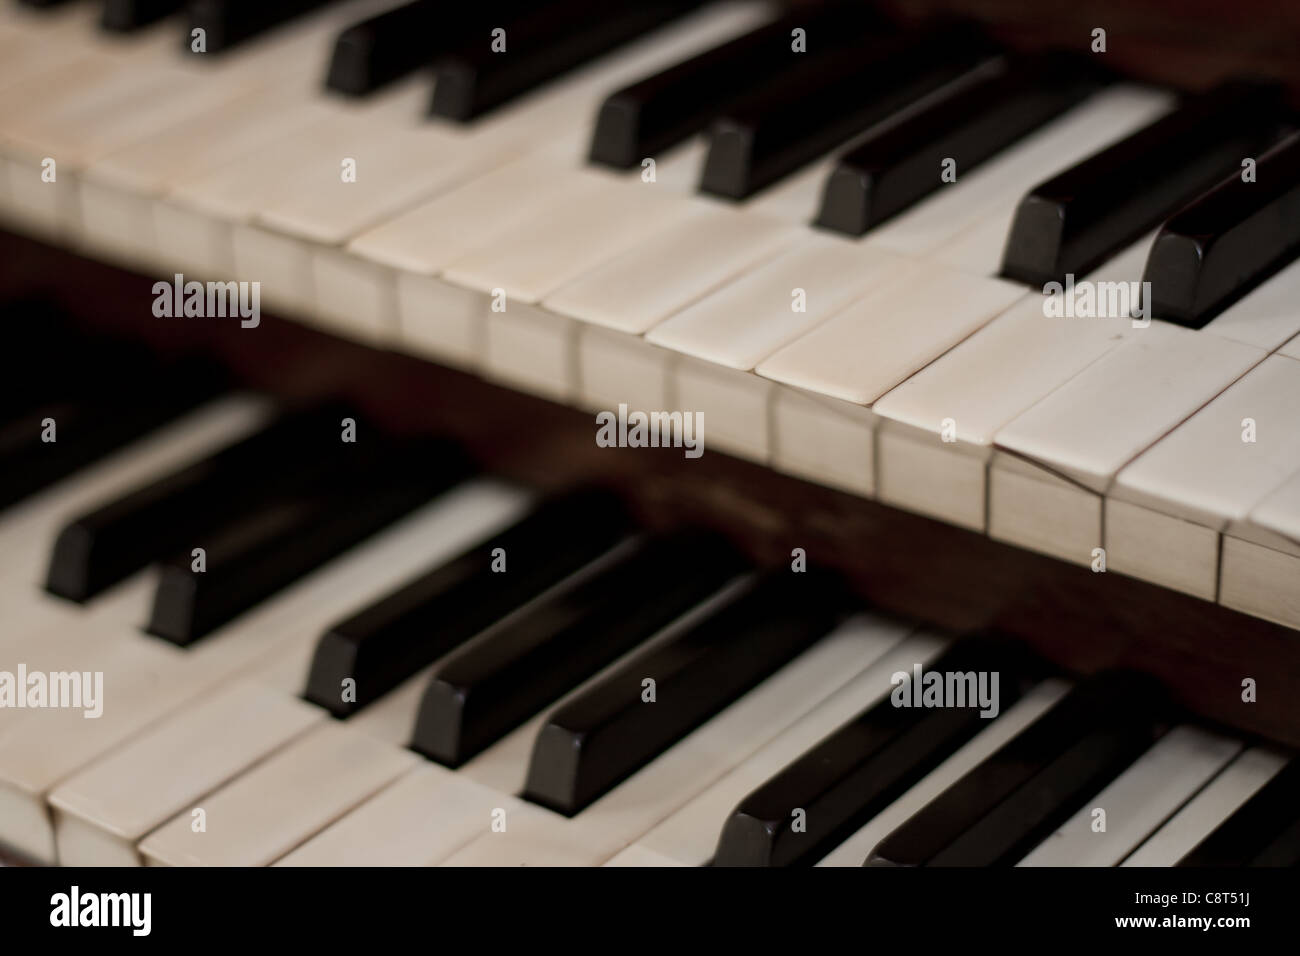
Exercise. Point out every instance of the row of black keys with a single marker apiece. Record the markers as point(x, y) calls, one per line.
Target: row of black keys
point(771, 110)
point(583, 588)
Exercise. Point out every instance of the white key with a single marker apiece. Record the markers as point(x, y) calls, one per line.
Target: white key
point(690, 835)
point(1280, 510)
point(990, 193)
point(238, 190)
point(146, 679)
point(1104, 417)
point(102, 811)
point(1136, 802)
point(1213, 805)
point(746, 321)
point(531, 348)
point(937, 435)
point(1057, 459)
point(567, 238)
point(823, 439)
point(1168, 505)
point(425, 238)
point(1205, 470)
point(1261, 559)
point(425, 816)
point(636, 855)
point(540, 837)
point(265, 813)
point(654, 278)
point(855, 850)
point(1265, 318)
point(1258, 574)
point(866, 349)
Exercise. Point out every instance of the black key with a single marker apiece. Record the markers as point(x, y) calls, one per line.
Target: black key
point(378, 50)
point(389, 45)
point(227, 23)
point(497, 682)
point(809, 110)
point(125, 15)
point(413, 626)
point(852, 775)
point(1227, 242)
point(372, 483)
point(609, 731)
point(100, 548)
point(1082, 216)
point(1016, 798)
point(660, 110)
point(541, 42)
point(124, 395)
point(901, 164)
point(1262, 832)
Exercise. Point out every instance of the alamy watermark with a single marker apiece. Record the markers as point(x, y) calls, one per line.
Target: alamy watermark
point(928, 689)
point(212, 300)
point(1098, 300)
point(637, 429)
point(54, 689)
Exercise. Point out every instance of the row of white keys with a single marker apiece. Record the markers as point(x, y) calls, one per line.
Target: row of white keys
point(132, 99)
point(863, 351)
point(257, 94)
point(820, 426)
point(105, 808)
point(1209, 808)
point(63, 67)
point(1168, 507)
point(649, 373)
point(1055, 461)
point(540, 837)
point(855, 850)
point(146, 680)
point(1067, 450)
point(433, 812)
point(292, 794)
point(935, 436)
point(446, 321)
point(629, 294)
point(1112, 824)
point(336, 289)
point(689, 836)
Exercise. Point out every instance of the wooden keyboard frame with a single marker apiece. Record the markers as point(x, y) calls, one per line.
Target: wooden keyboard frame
point(900, 562)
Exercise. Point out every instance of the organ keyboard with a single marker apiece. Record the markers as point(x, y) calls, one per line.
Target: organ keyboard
point(378, 651)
